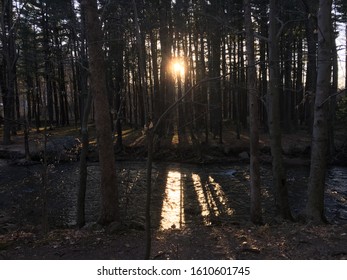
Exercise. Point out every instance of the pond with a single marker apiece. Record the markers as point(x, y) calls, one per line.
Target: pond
point(182, 193)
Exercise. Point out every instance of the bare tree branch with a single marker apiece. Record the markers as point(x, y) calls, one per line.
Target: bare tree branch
point(331, 96)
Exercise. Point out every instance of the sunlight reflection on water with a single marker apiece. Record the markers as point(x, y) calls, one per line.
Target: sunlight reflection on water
point(172, 213)
point(201, 196)
point(212, 199)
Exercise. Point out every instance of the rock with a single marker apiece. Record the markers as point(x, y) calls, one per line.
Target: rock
point(6, 153)
point(24, 162)
point(244, 155)
point(296, 150)
point(115, 227)
point(9, 227)
point(341, 156)
point(342, 214)
point(227, 150)
point(140, 218)
point(231, 172)
point(266, 150)
point(137, 225)
point(93, 227)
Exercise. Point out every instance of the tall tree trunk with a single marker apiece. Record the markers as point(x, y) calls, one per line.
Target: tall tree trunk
point(287, 116)
point(116, 43)
point(320, 137)
point(38, 101)
point(225, 83)
point(149, 134)
point(142, 70)
point(8, 68)
point(279, 177)
point(86, 106)
point(256, 215)
point(236, 91)
point(63, 113)
point(82, 66)
point(165, 96)
point(242, 82)
point(109, 193)
point(333, 102)
point(155, 70)
point(48, 65)
point(263, 66)
point(299, 90)
point(83, 163)
point(311, 76)
point(200, 99)
point(215, 95)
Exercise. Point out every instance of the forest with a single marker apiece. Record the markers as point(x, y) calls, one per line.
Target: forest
point(173, 129)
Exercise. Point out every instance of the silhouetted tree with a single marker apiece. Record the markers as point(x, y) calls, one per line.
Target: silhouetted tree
point(109, 193)
point(320, 137)
point(278, 172)
point(8, 67)
point(256, 215)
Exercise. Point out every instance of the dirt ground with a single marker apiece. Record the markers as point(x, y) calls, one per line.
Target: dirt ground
point(219, 239)
point(282, 241)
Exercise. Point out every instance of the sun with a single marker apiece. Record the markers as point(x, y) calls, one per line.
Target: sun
point(178, 67)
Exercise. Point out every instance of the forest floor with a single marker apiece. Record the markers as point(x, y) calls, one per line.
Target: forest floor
point(199, 236)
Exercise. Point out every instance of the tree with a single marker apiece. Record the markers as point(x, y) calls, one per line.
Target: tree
point(149, 134)
point(49, 71)
point(114, 29)
point(166, 92)
point(256, 215)
point(215, 94)
point(279, 177)
point(8, 67)
point(311, 75)
point(320, 134)
point(109, 193)
point(86, 104)
point(263, 71)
